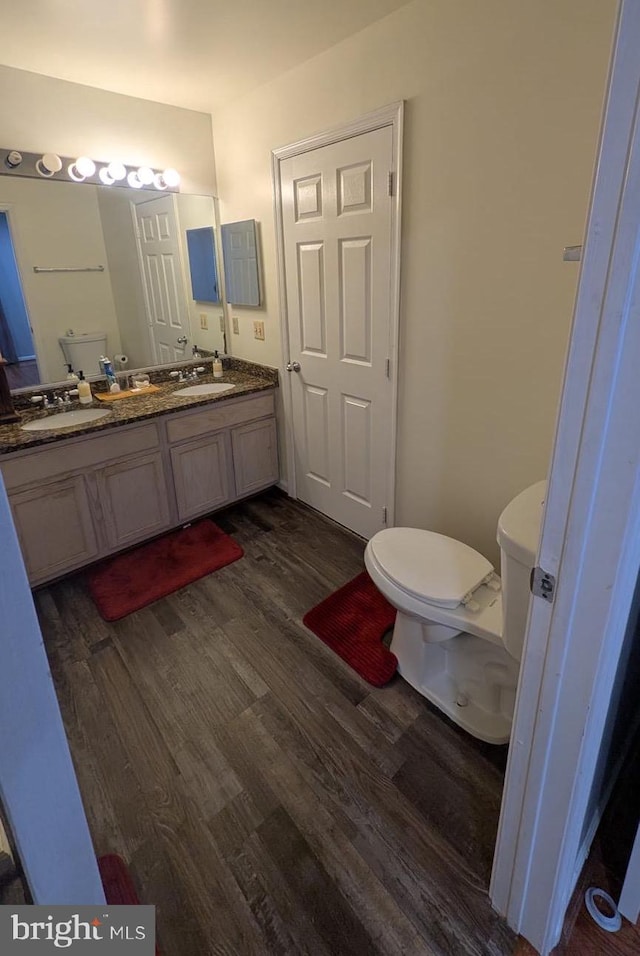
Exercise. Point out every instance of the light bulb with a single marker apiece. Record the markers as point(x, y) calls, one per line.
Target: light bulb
point(171, 177)
point(85, 166)
point(49, 164)
point(117, 170)
point(133, 180)
point(105, 177)
point(14, 159)
point(72, 170)
point(145, 175)
point(159, 182)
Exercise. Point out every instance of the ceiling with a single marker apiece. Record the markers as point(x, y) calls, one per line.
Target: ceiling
point(197, 54)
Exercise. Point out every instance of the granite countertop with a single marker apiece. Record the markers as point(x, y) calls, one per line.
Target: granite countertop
point(247, 377)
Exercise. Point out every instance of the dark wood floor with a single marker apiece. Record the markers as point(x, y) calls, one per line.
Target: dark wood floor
point(267, 799)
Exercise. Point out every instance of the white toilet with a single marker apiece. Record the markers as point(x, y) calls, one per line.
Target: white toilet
point(459, 629)
point(82, 350)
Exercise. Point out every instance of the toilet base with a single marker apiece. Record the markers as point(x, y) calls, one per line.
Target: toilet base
point(471, 680)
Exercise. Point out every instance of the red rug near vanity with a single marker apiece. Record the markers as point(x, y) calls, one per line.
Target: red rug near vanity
point(352, 622)
point(119, 888)
point(130, 581)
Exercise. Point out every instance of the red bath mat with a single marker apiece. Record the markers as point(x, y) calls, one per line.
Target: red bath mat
point(352, 622)
point(119, 889)
point(130, 581)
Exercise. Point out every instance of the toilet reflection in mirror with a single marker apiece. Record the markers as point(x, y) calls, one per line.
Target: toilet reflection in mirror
point(141, 300)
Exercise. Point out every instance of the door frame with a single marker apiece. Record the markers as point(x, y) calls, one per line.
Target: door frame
point(393, 116)
point(39, 793)
point(9, 208)
point(590, 542)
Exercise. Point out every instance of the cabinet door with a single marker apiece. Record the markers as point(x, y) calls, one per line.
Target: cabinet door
point(202, 475)
point(54, 527)
point(133, 499)
point(255, 456)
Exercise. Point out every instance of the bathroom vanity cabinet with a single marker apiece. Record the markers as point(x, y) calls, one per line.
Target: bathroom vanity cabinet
point(80, 499)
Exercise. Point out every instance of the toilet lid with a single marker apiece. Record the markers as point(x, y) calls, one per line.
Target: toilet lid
point(429, 566)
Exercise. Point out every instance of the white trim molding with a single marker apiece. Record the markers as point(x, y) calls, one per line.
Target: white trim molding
point(393, 116)
point(590, 541)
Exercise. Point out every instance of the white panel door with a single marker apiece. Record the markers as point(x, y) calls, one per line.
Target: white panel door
point(163, 280)
point(337, 226)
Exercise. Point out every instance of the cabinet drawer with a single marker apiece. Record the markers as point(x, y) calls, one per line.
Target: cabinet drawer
point(218, 416)
point(78, 454)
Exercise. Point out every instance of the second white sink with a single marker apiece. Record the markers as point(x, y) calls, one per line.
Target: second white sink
point(79, 416)
point(205, 388)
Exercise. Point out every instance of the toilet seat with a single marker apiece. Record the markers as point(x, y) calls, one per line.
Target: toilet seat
point(431, 567)
point(485, 621)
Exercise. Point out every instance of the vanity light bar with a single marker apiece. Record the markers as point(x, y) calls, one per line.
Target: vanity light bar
point(83, 169)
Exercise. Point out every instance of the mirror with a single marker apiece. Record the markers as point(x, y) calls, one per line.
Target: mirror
point(240, 256)
point(139, 267)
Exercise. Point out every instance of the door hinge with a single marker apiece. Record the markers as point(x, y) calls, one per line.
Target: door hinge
point(390, 183)
point(543, 584)
point(384, 515)
point(387, 368)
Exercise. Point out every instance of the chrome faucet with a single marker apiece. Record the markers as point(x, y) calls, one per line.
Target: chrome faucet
point(186, 375)
point(56, 401)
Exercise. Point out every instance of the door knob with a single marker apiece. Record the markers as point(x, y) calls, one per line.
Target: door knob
point(293, 366)
point(182, 340)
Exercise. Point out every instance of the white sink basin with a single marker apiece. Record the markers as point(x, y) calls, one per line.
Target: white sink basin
point(205, 388)
point(79, 416)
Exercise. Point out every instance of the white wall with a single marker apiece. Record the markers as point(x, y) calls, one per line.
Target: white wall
point(41, 113)
point(503, 102)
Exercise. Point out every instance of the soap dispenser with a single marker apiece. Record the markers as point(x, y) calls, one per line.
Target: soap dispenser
point(71, 375)
point(217, 365)
point(84, 390)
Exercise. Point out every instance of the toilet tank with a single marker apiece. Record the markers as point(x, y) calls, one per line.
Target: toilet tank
point(82, 350)
point(518, 535)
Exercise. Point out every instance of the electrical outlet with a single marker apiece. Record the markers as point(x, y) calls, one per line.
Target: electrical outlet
point(221, 320)
point(204, 320)
point(235, 325)
point(258, 330)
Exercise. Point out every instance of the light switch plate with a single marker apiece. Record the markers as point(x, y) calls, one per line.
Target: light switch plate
point(258, 330)
point(221, 323)
point(204, 321)
point(235, 325)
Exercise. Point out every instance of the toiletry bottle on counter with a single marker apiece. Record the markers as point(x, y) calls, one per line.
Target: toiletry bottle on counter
point(84, 390)
point(71, 375)
point(109, 374)
point(217, 365)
